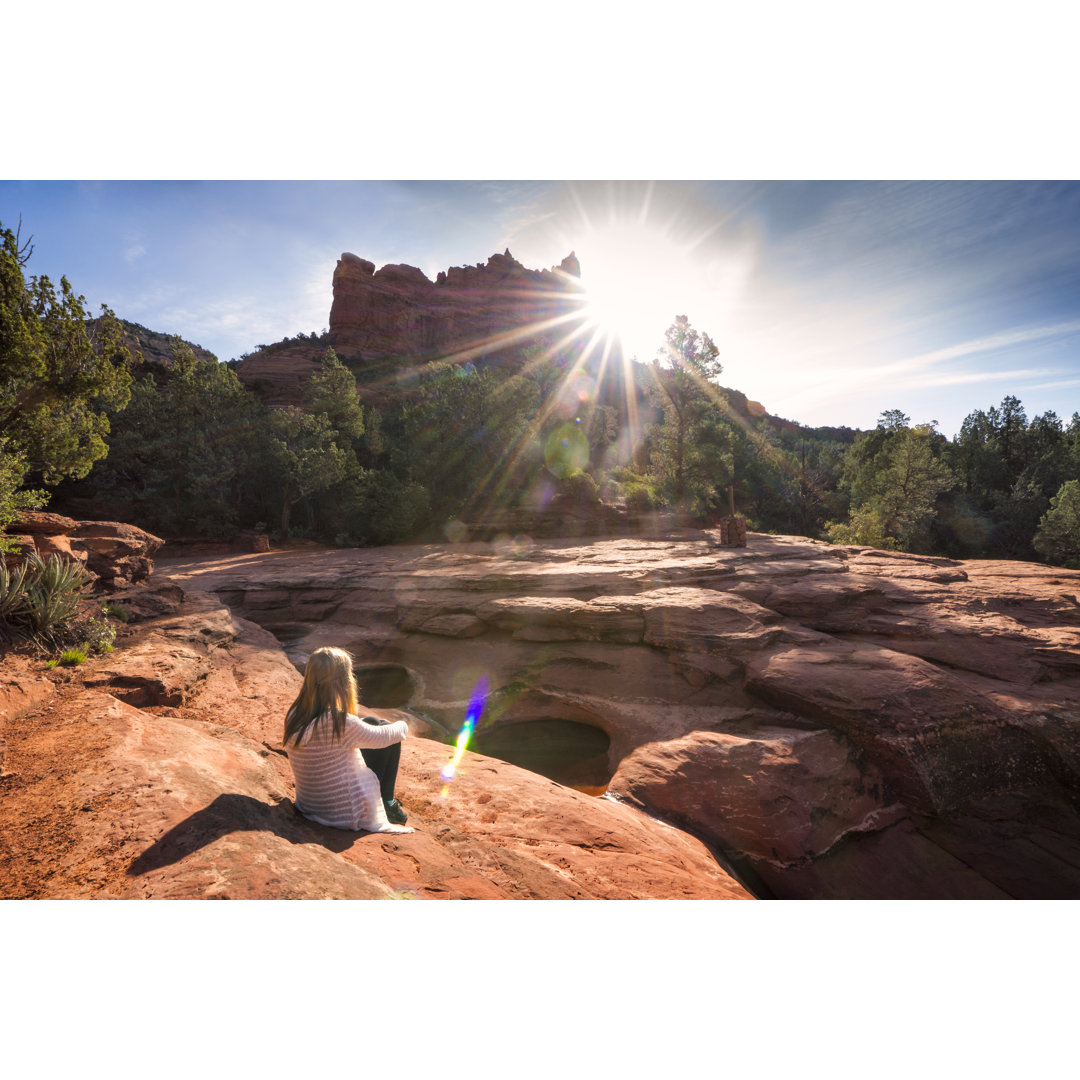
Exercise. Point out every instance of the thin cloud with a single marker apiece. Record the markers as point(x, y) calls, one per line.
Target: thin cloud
point(986, 344)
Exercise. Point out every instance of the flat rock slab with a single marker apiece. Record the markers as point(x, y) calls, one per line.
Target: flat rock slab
point(946, 682)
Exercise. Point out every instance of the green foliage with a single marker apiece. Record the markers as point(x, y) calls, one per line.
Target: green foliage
point(52, 597)
point(1008, 469)
point(57, 381)
point(566, 451)
point(116, 611)
point(40, 599)
point(186, 448)
point(332, 392)
point(895, 479)
point(691, 457)
point(98, 634)
point(380, 508)
point(641, 497)
point(579, 488)
point(73, 657)
point(865, 527)
point(1058, 536)
point(305, 457)
point(13, 470)
point(13, 589)
point(470, 438)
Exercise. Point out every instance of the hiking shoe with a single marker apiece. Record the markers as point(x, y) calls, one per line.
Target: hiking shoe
point(394, 814)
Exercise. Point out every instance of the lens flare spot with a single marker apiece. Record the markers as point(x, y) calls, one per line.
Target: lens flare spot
point(455, 531)
point(566, 450)
point(476, 707)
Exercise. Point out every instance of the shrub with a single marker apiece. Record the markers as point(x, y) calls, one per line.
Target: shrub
point(73, 657)
point(40, 600)
point(640, 497)
point(53, 596)
point(580, 488)
point(1058, 538)
point(117, 611)
point(865, 527)
point(96, 634)
point(13, 587)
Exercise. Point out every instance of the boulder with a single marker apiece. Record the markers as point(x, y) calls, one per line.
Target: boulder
point(39, 523)
point(115, 554)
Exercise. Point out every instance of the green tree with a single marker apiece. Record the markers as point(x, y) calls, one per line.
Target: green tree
point(332, 392)
point(14, 498)
point(306, 457)
point(1058, 536)
point(908, 488)
point(185, 448)
point(691, 448)
point(57, 380)
point(895, 479)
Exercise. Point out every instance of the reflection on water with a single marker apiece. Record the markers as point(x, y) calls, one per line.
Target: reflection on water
point(567, 752)
point(384, 686)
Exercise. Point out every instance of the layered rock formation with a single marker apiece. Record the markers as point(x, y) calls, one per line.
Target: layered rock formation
point(115, 554)
point(397, 311)
point(397, 316)
point(157, 772)
point(841, 722)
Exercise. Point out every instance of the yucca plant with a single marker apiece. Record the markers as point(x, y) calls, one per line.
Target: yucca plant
point(12, 591)
point(52, 595)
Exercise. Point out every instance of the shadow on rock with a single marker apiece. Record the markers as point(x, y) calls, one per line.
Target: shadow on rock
point(232, 813)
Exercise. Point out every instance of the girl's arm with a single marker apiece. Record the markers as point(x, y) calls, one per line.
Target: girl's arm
point(373, 736)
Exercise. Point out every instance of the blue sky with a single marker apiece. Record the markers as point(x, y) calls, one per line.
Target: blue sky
point(830, 301)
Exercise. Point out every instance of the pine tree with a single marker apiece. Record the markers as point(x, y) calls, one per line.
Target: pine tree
point(691, 448)
point(1058, 537)
point(57, 383)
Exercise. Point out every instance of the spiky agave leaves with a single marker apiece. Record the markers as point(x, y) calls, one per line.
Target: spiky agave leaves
point(53, 588)
point(13, 587)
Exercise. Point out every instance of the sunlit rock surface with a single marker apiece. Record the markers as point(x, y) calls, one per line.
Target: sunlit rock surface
point(156, 772)
point(840, 722)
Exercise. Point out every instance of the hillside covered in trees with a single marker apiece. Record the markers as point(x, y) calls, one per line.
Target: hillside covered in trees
point(179, 445)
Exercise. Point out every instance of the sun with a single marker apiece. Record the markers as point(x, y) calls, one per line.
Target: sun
point(636, 280)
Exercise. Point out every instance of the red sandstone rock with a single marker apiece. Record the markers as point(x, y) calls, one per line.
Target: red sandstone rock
point(21, 693)
point(39, 523)
point(954, 687)
point(398, 312)
point(194, 800)
point(774, 798)
point(398, 315)
point(115, 553)
point(59, 545)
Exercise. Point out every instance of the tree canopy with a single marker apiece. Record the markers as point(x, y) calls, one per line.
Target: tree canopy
point(58, 381)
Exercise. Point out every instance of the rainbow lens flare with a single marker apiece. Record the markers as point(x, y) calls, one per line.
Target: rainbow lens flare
point(476, 707)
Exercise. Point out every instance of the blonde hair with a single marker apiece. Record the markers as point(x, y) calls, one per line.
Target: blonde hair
point(329, 687)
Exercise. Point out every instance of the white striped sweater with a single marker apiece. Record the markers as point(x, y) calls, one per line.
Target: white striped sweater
point(333, 785)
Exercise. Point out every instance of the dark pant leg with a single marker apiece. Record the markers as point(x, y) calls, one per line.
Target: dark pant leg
point(384, 764)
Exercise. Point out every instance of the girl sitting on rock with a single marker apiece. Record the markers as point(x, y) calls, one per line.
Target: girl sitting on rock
point(345, 767)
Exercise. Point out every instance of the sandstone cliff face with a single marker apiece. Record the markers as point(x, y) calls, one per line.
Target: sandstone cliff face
point(396, 316)
point(841, 722)
point(396, 312)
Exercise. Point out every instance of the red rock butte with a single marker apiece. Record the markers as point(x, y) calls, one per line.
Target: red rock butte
point(397, 311)
point(397, 315)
